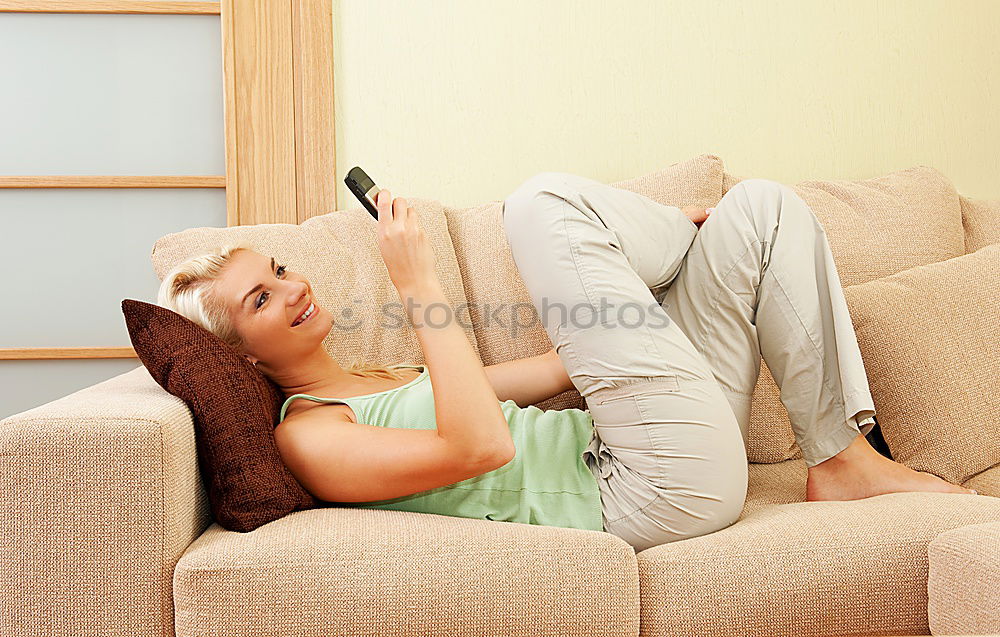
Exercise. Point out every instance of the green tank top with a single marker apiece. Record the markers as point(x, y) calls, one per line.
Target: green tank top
point(547, 483)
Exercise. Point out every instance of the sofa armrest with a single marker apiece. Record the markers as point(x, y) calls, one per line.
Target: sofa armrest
point(963, 583)
point(101, 496)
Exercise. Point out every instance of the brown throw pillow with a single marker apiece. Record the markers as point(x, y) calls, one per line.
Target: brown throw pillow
point(930, 340)
point(235, 409)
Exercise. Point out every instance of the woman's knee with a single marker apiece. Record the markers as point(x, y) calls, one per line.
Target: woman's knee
point(761, 195)
point(731, 496)
point(767, 195)
point(760, 183)
point(721, 515)
point(766, 189)
point(710, 518)
point(523, 202)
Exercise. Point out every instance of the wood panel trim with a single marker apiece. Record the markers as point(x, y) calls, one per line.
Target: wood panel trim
point(113, 181)
point(280, 141)
point(316, 175)
point(72, 6)
point(229, 118)
point(260, 98)
point(39, 353)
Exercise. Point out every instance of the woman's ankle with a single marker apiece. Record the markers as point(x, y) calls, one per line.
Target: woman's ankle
point(859, 450)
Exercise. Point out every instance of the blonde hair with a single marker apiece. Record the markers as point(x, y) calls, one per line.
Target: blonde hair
point(188, 290)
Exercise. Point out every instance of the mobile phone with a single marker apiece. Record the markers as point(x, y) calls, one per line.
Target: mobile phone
point(363, 188)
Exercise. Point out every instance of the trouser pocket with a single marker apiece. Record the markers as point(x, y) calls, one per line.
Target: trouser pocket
point(627, 388)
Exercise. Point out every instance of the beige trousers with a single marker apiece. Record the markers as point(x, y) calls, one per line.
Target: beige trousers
point(661, 327)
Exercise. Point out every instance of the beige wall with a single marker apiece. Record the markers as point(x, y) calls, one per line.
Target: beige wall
point(461, 100)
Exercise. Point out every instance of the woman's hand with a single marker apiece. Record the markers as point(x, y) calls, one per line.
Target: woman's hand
point(697, 215)
point(407, 255)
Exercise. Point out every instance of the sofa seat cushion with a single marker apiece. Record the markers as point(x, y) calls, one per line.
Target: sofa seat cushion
point(963, 584)
point(506, 323)
point(876, 227)
point(789, 567)
point(335, 571)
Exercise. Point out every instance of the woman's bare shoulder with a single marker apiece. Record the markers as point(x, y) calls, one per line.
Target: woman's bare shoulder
point(310, 414)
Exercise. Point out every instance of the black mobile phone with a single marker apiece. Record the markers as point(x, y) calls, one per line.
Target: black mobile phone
point(363, 188)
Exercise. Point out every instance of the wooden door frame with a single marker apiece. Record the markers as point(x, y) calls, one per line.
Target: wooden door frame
point(280, 136)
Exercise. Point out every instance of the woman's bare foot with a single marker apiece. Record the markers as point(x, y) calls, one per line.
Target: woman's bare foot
point(861, 472)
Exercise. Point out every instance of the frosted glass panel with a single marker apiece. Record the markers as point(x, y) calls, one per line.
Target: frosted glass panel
point(95, 94)
point(71, 256)
point(28, 384)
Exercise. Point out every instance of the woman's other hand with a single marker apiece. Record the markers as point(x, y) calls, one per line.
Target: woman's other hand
point(696, 214)
point(405, 250)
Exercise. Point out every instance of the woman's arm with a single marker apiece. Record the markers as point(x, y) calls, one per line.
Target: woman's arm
point(529, 380)
point(465, 407)
point(467, 413)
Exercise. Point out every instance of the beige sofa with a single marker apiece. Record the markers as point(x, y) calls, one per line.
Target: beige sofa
point(106, 528)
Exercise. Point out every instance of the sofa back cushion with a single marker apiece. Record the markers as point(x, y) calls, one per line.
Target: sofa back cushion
point(876, 227)
point(981, 219)
point(883, 225)
point(930, 339)
point(338, 253)
point(500, 309)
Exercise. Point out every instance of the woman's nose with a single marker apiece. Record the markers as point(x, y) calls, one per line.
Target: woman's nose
point(300, 293)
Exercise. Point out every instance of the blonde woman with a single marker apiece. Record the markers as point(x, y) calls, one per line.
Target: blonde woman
point(659, 316)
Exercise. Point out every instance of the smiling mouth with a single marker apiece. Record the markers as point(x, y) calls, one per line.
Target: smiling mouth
point(307, 315)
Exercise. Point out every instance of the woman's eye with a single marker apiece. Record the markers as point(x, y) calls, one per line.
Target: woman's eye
point(280, 270)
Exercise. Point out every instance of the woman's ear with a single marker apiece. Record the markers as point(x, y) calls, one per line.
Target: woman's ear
point(253, 361)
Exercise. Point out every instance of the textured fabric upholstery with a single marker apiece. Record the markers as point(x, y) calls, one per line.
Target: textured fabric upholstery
point(930, 339)
point(981, 220)
point(370, 571)
point(101, 495)
point(789, 567)
point(963, 583)
point(338, 253)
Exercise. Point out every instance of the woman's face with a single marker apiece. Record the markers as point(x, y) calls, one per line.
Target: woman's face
point(264, 299)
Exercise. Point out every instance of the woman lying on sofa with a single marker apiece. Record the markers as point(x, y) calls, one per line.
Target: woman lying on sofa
point(663, 315)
